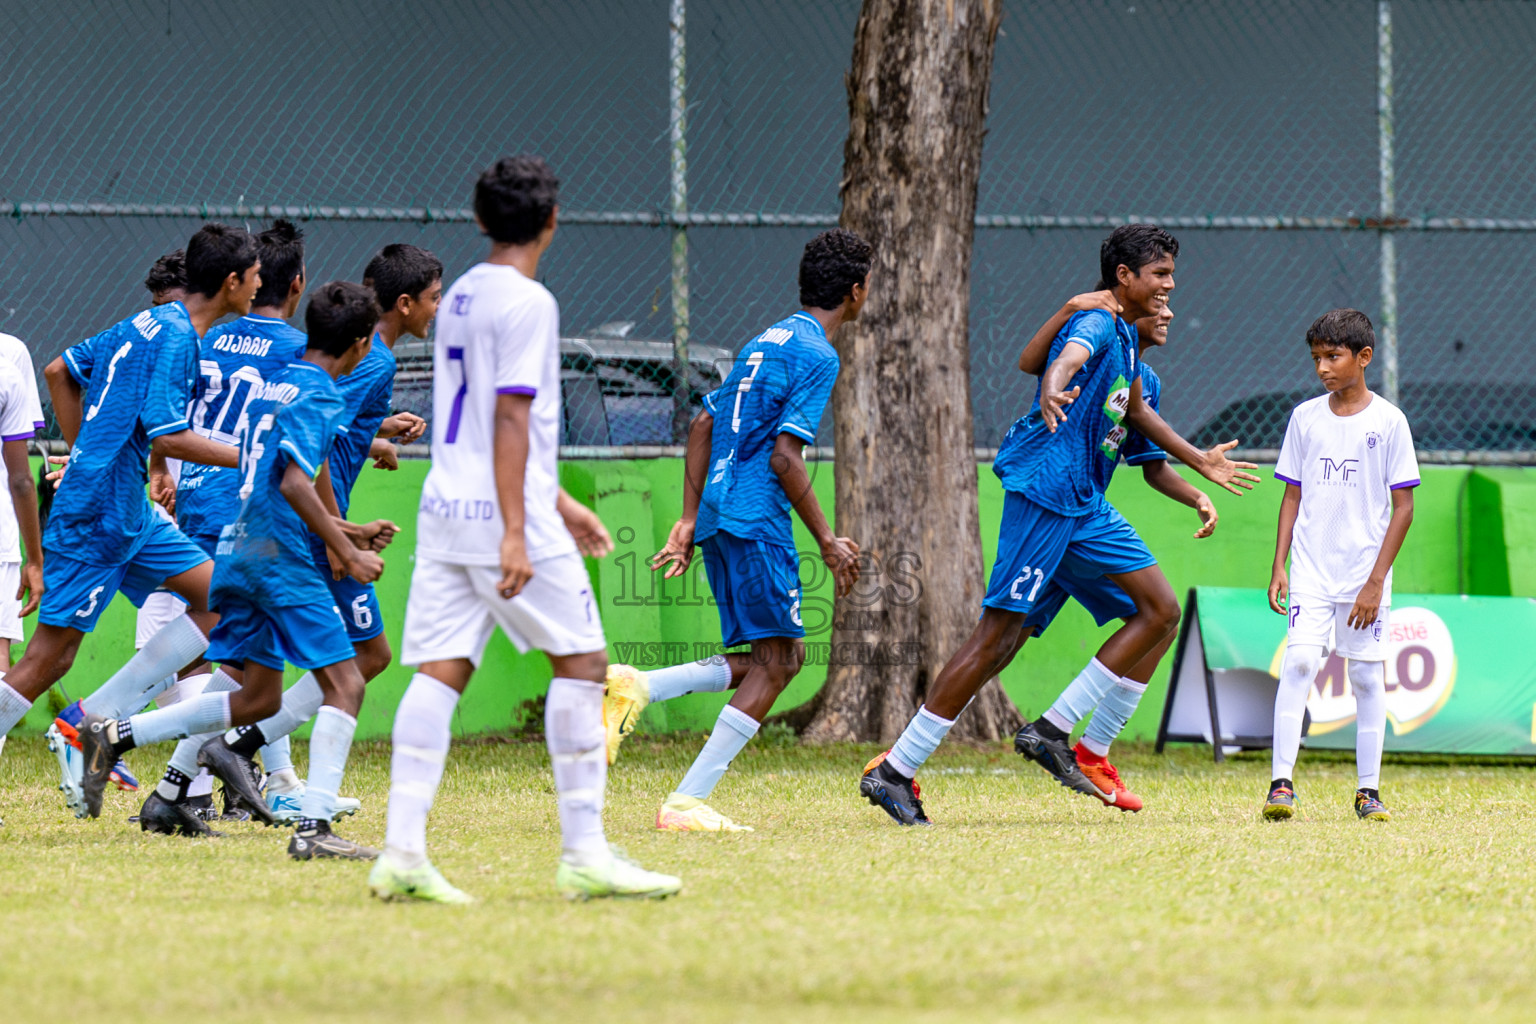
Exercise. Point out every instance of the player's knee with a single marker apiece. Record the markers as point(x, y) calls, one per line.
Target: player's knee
point(1302, 661)
point(1161, 612)
point(592, 666)
point(1367, 677)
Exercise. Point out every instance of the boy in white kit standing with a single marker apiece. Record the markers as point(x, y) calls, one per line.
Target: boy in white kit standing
point(499, 544)
point(1349, 472)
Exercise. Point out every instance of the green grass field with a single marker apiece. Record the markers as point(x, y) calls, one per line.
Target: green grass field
point(1024, 901)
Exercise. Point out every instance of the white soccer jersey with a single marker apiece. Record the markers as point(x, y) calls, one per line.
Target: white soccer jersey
point(14, 352)
point(498, 332)
point(16, 424)
point(1347, 468)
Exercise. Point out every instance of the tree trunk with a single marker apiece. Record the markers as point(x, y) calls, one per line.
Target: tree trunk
point(906, 470)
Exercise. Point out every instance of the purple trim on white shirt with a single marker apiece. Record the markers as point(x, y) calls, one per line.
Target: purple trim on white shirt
point(518, 389)
point(19, 437)
point(38, 424)
point(1297, 483)
point(1405, 483)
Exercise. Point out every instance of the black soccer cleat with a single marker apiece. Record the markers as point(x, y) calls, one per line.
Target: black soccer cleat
point(892, 792)
point(320, 843)
point(171, 818)
point(238, 775)
point(1056, 757)
point(98, 756)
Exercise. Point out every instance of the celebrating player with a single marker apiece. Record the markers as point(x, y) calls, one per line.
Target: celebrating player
point(1054, 464)
point(745, 471)
point(1349, 471)
point(499, 544)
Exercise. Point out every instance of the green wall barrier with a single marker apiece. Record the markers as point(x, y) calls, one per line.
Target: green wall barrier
point(652, 622)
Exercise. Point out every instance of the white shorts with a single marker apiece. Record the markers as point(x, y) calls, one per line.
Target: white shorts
point(160, 608)
point(10, 608)
point(452, 610)
point(1323, 623)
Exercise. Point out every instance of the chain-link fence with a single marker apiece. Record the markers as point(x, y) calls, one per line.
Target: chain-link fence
point(1308, 153)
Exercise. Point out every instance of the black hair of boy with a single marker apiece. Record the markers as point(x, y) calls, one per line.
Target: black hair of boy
point(339, 314)
point(281, 249)
point(834, 261)
point(514, 198)
point(400, 269)
point(215, 252)
point(1134, 246)
point(169, 271)
point(1348, 328)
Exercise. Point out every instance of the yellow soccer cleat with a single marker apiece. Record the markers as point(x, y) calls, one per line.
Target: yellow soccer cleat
point(390, 882)
point(688, 814)
point(614, 877)
point(628, 693)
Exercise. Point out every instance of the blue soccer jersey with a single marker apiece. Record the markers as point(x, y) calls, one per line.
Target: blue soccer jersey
point(780, 384)
point(263, 556)
point(235, 360)
point(137, 379)
point(1067, 471)
point(1137, 450)
point(368, 392)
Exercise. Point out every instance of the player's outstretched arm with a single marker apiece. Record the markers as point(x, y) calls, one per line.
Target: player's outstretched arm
point(68, 402)
point(190, 447)
point(676, 556)
point(840, 553)
point(1164, 479)
point(1368, 601)
point(1213, 464)
point(1279, 582)
point(1032, 360)
point(509, 462)
point(299, 491)
point(1054, 398)
point(24, 501)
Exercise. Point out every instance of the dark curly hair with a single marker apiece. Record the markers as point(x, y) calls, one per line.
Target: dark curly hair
point(1134, 246)
point(401, 269)
point(169, 271)
point(1347, 327)
point(215, 252)
point(833, 263)
point(514, 198)
point(339, 313)
point(282, 260)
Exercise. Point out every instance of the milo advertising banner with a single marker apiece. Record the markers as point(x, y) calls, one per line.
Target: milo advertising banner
point(1459, 681)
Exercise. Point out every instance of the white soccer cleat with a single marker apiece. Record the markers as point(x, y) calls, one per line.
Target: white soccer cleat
point(71, 770)
point(285, 806)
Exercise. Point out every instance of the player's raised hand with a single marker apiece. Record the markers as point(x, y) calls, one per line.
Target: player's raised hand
point(842, 556)
point(1279, 590)
point(1221, 470)
point(1208, 518)
point(1367, 606)
point(516, 570)
point(678, 553)
point(365, 566)
point(1104, 300)
point(31, 590)
point(587, 529)
point(1053, 406)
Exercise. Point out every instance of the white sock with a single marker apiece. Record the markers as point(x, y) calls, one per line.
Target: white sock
point(710, 676)
point(573, 731)
point(1297, 671)
point(423, 727)
point(329, 746)
point(13, 707)
point(733, 729)
point(1368, 680)
point(201, 784)
point(301, 701)
point(207, 712)
point(1081, 696)
point(184, 689)
point(277, 756)
point(184, 757)
point(177, 644)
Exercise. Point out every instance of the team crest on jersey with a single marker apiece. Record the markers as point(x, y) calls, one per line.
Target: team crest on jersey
point(1115, 407)
point(1372, 439)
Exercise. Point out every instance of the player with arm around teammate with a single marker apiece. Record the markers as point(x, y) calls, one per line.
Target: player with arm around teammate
point(1349, 470)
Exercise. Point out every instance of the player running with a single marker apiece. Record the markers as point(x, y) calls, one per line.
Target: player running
point(1349, 470)
point(1054, 464)
point(408, 283)
point(745, 471)
point(116, 396)
point(499, 545)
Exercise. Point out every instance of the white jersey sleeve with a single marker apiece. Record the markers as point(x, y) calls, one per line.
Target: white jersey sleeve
point(1288, 466)
point(16, 424)
point(1402, 463)
point(529, 334)
point(15, 350)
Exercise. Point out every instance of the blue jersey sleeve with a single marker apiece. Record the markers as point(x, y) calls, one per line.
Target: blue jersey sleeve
point(79, 359)
point(1090, 330)
point(308, 427)
point(808, 397)
point(1137, 449)
point(170, 389)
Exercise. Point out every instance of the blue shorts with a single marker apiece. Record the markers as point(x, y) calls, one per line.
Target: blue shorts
point(307, 635)
point(76, 593)
point(209, 542)
point(756, 585)
point(1035, 544)
point(1102, 597)
point(358, 604)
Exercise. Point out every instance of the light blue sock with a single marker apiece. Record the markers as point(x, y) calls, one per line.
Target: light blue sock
point(1081, 696)
point(184, 757)
point(918, 741)
point(712, 676)
point(329, 746)
point(207, 712)
point(150, 671)
point(1109, 718)
point(277, 755)
point(732, 731)
point(300, 703)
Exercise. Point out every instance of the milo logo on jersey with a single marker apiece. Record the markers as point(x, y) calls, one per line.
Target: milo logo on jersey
point(1421, 672)
point(1115, 407)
